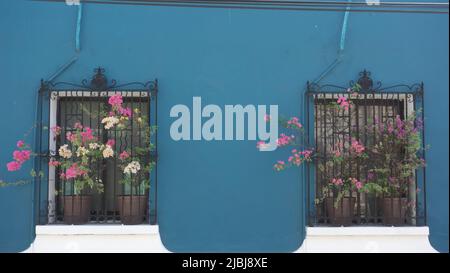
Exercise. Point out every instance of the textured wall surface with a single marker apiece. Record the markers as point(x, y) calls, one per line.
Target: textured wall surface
point(219, 196)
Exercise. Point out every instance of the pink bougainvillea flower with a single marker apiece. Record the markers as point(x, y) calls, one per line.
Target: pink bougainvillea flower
point(86, 135)
point(343, 103)
point(124, 155)
point(54, 163)
point(357, 147)
point(20, 144)
point(78, 125)
point(337, 153)
point(307, 153)
point(21, 156)
point(337, 181)
point(293, 123)
point(115, 100)
point(13, 166)
point(358, 185)
point(280, 165)
point(284, 140)
point(71, 137)
point(74, 171)
point(111, 142)
point(125, 112)
point(266, 118)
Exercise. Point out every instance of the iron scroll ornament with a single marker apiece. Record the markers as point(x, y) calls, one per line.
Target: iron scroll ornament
point(99, 82)
point(367, 84)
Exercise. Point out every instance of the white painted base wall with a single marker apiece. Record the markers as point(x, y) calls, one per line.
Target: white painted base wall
point(366, 239)
point(91, 239)
point(146, 238)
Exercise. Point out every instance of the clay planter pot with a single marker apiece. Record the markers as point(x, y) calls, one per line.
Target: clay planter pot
point(77, 209)
point(394, 210)
point(343, 214)
point(132, 208)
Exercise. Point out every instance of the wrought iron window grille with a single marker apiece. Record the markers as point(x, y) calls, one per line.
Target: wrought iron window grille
point(64, 104)
point(328, 126)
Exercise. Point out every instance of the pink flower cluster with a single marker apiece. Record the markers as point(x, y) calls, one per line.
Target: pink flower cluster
point(110, 142)
point(284, 140)
point(71, 137)
point(356, 183)
point(86, 134)
point(280, 165)
point(298, 157)
point(293, 123)
point(74, 171)
point(266, 118)
point(337, 181)
point(357, 147)
point(54, 163)
point(116, 101)
point(20, 144)
point(343, 103)
point(20, 156)
point(124, 155)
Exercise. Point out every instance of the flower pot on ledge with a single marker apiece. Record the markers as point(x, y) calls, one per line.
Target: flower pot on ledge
point(342, 215)
point(394, 211)
point(132, 208)
point(77, 209)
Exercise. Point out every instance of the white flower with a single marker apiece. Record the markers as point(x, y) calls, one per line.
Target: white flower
point(108, 152)
point(110, 122)
point(132, 167)
point(64, 151)
point(81, 151)
point(94, 146)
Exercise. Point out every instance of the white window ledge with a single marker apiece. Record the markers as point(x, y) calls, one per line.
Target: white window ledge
point(367, 231)
point(97, 230)
point(97, 238)
point(366, 239)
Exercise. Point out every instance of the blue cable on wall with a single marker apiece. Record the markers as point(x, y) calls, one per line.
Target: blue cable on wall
point(77, 46)
point(341, 46)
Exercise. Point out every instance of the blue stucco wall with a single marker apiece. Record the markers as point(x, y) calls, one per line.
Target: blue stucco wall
point(219, 196)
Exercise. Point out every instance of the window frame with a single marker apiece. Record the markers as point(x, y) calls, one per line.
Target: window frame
point(47, 115)
point(413, 96)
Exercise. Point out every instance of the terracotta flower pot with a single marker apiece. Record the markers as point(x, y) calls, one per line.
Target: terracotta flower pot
point(342, 215)
point(77, 209)
point(394, 210)
point(132, 208)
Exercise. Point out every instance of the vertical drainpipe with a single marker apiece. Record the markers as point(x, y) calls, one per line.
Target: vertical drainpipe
point(51, 78)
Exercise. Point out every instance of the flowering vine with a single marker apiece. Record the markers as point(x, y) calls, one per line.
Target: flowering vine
point(83, 150)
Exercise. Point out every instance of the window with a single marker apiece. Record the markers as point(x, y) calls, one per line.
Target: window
point(118, 196)
point(368, 171)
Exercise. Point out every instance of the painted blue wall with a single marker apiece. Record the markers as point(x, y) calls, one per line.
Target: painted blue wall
point(219, 196)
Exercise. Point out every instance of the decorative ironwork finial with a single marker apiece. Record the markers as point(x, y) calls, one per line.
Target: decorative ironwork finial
point(99, 81)
point(365, 81)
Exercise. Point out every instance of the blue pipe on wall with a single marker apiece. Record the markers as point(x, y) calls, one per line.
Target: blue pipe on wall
point(341, 46)
point(77, 46)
